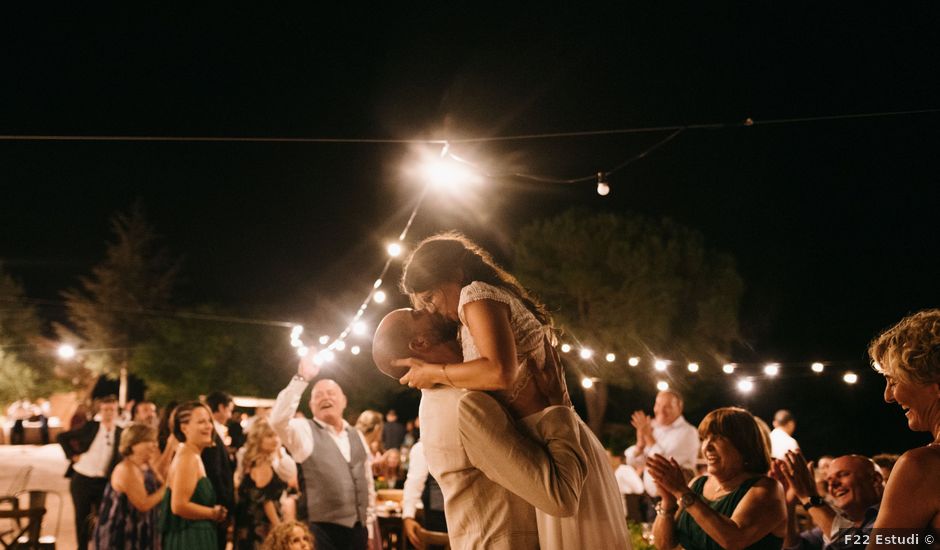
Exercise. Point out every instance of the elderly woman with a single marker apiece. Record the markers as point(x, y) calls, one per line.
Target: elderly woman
point(908, 355)
point(128, 515)
point(735, 505)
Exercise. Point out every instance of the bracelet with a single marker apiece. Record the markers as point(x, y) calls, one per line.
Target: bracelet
point(299, 378)
point(444, 372)
point(663, 511)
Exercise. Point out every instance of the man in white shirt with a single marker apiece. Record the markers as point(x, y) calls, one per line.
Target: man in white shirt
point(335, 460)
point(781, 438)
point(667, 433)
point(93, 452)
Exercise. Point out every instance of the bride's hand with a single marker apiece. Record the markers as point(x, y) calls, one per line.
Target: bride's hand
point(421, 374)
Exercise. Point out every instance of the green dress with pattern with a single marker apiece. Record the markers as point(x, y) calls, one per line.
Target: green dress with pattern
point(187, 534)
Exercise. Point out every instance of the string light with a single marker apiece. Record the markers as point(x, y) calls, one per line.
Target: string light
point(565, 348)
point(603, 189)
point(693, 367)
point(818, 367)
point(302, 351)
point(360, 328)
point(339, 345)
point(67, 351)
point(633, 361)
point(355, 350)
point(610, 357)
point(772, 369)
point(728, 368)
point(394, 250)
point(661, 365)
point(745, 385)
point(586, 353)
point(850, 377)
point(662, 385)
point(324, 339)
point(379, 297)
point(587, 383)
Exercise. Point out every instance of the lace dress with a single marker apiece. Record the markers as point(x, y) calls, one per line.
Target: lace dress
point(123, 527)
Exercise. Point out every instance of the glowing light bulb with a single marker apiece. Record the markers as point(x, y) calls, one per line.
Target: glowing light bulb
point(394, 250)
point(379, 297)
point(745, 385)
point(693, 367)
point(296, 331)
point(772, 369)
point(302, 351)
point(295, 343)
point(660, 365)
point(818, 367)
point(850, 377)
point(66, 351)
point(360, 327)
point(328, 355)
point(610, 357)
point(728, 368)
point(339, 345)
point(586, 353)
point(565, 348)
point(324, 339)
point(355, 350)
point(602, 188)
point(662, 385)
point(377, 283)
point(633, 361)
point(587, 383)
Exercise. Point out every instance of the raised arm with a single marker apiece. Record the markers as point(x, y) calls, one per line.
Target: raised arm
point(294, 436)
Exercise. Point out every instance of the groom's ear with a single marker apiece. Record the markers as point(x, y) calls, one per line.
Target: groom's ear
point(419, 345)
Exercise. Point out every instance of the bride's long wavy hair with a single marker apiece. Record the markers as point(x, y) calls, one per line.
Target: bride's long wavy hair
point(452, 257)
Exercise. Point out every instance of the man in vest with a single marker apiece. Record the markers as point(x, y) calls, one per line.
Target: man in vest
point(334, 458)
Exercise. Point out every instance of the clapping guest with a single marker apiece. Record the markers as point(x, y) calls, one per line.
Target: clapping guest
point(735, 505)
point(259, 487)
point(190, 511)
point(128, 516)
point(908, 355)
point(667, 433)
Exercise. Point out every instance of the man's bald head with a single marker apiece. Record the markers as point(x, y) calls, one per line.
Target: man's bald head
point(855, 484)
point(413, 333)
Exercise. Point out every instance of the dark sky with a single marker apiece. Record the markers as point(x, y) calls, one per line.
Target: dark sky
point(832, 223)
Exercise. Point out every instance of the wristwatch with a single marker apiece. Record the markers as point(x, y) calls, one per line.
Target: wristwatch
point(687, 499)
point(814, 500)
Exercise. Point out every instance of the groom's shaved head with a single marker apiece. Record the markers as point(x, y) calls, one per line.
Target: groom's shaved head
point(391, 341)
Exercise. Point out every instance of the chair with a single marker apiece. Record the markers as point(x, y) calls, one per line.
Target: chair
point(25, 521)
point(18, 482)
point(435, 538)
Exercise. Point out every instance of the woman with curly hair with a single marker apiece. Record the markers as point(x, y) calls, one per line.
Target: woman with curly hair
point(259, 488)
point(289, 535)
point(908, 355)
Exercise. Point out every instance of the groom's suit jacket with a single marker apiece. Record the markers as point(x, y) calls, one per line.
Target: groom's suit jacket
point(492, 475)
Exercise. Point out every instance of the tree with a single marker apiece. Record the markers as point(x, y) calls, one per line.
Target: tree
point(25, 370)
point(136, 275)
point(633, 286)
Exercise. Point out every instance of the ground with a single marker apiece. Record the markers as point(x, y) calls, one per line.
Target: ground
point(49, 464)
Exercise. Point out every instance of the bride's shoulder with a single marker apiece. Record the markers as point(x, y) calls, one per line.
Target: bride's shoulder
point(478, 290)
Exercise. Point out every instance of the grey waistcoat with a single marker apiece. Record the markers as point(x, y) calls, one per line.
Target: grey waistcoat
point(336, 491)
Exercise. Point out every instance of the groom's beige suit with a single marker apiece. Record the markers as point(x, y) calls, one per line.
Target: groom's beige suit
point(488, 470)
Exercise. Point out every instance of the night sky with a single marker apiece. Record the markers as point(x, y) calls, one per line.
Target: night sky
point(833, 223)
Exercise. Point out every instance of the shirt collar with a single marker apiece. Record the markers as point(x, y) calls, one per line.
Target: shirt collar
point(675, 423)
point(329, 427)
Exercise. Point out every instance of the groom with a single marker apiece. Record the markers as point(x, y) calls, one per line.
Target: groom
point(491, 474)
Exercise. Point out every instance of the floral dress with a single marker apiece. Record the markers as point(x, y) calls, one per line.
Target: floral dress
point(252, 524)
point(123, 527)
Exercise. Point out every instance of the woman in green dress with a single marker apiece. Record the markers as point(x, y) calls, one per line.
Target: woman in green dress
point(735, 505)
point(189, 508)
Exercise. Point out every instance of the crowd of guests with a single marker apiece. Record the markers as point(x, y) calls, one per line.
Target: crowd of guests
point(194, 477)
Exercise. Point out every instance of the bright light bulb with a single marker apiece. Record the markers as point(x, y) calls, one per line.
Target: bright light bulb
point(296, 331)
point(693, 367)
point(448, 174)
point(633, 361)
point(295, 343)
point(66, 351)
point(565, 348)
point(603, 189)
point(587, 383)
point(728, 368)
point(745, 385)
point(360, 327)
point(662, 385)
point(610, 357)
point(377, 283)
point(355, 350)
point(379, 297)
point(586, 353)
point(328, 355)
point(772, 369)
point(302, 351)
point(339, 345)
point(818, 367)
point(660, 365)
point(324, 339)
point(850, 377)
point(394, 250)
